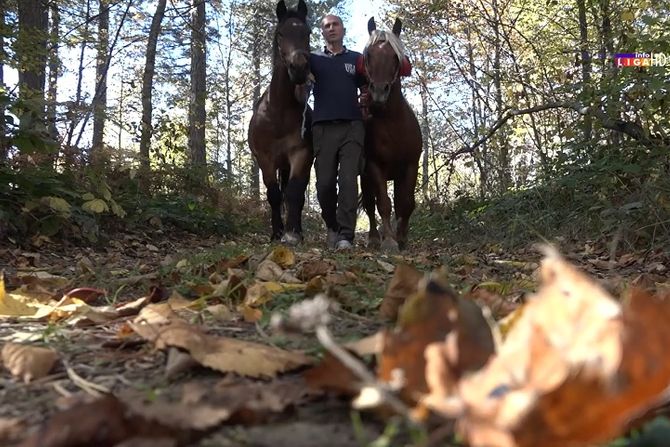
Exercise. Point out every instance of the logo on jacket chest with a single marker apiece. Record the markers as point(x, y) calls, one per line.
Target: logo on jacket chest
point(350, 68)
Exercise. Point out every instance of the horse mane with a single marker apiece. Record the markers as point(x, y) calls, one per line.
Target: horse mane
point(290, 14)
point(386, 36)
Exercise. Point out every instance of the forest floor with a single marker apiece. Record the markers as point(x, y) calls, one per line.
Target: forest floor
point(98, 352)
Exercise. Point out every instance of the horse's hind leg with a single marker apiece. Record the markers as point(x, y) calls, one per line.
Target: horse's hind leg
point(403, 197)
point(368, 193)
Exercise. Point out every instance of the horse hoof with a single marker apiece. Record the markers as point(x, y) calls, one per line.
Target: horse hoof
point(291, 239)
point(390, 246)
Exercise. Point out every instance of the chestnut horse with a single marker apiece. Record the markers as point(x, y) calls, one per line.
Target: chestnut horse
point(276, 132)
point(392, 139)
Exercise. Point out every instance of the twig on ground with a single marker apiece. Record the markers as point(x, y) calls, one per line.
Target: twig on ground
point(91, 388)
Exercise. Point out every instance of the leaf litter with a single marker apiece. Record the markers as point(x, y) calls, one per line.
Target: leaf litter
point(168, 348)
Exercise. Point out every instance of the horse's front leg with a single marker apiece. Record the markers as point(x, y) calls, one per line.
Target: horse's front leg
point(389, 243)
point(368, 192)
point(301, 163)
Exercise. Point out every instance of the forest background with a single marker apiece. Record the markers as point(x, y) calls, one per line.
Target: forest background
point(129, 112)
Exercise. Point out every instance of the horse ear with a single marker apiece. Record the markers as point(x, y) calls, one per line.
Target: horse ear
point(302, 10)
point(281, 10)
point(397, 27)
point(371, 25)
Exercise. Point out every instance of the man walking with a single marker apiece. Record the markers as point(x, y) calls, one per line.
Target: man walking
point(338, 133)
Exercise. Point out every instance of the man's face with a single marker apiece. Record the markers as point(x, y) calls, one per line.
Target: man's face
point(332, 29)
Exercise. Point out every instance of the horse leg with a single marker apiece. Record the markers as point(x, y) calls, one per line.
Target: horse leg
point(384, 206)
point(274, 196)
point(404, 201)
point(295, 197)
point(368, 192)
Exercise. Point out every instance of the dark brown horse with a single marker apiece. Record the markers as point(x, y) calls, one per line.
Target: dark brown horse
point(276, 128)
point(392, 139)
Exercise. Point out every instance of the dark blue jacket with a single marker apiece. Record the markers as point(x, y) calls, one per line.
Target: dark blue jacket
point(336, 85)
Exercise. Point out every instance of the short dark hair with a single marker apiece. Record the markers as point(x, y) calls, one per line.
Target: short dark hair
point(339, 19)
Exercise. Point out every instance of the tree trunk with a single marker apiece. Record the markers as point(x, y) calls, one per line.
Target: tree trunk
point(586, 67)
point(197, 116)
point(100, 97)
point(75, 114)
point(147, 89)
point(504, 165)
point(425, 131)
point(31, 46)
point(54, 71)
point(479, 154)
point(256, 59)
point(3, 58)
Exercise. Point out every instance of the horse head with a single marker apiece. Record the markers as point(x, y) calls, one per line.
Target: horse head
point(291, 41)
point(383, 55)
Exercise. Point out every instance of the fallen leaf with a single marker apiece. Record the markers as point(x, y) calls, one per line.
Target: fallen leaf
point(28, 362)
point(269, 271)
point(427, 317)
point(219, 353)
point(11, 430)
point(404, 283)
point(313, 268)
point(282, 256)
point(387, 266)
point(250, 314)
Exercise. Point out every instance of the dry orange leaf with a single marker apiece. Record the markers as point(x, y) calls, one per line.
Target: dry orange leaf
point(428, 317)
point(28, 362)
point(572, 352)
point(282, 256)
point(404, 283)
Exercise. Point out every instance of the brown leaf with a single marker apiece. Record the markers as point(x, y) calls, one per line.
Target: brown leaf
point(28, 362)
point(426, 318)
point(331, 375)
point(249, 402)
point(404, 283)
point(109, 421)
point(573, 351)
point(313, 268)
point(219, 353)
point(11, 430)
point(98, 423)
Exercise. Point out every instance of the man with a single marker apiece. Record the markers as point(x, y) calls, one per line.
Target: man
point(338, 133)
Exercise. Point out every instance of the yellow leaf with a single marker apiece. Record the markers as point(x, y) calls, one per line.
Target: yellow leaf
point(95, 206)
point(282, 256)
point(257, 295)
point(508, 322)
point(88, 196)
point(57, 204)
point(627, 16)
point(276, 287)
point(13, 305)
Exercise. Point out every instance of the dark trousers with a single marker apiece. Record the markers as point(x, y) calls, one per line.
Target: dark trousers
point(338, 147)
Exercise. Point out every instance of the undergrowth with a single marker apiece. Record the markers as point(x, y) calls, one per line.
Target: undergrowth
point(631, 210)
